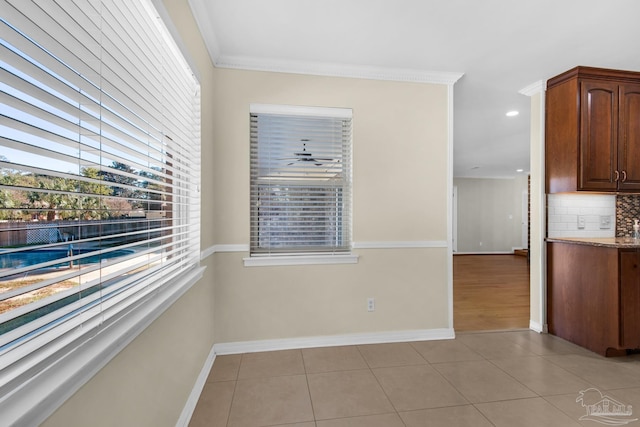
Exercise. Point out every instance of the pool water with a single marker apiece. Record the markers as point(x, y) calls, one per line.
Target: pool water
point(37, 256)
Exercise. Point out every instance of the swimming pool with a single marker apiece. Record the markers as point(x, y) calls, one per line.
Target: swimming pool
point(37, 256)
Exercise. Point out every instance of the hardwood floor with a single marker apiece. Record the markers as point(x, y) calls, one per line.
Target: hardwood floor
point(490, 292)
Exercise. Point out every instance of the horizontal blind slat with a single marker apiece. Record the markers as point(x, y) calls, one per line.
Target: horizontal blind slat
point(100, 120)
point(300, 183)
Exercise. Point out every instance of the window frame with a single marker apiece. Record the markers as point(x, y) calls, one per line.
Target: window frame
point(323, 254)
point(34, 382)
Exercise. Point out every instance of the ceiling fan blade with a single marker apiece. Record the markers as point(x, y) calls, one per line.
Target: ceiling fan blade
point(307, 157)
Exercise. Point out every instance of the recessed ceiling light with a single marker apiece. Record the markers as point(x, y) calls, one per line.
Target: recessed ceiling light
point(512, 113)
point(475, 167)
point(519, 170)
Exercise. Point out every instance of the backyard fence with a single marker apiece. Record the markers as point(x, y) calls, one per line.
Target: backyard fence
point(21, 233)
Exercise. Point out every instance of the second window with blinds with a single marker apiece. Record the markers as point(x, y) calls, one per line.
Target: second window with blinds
point(300, 181)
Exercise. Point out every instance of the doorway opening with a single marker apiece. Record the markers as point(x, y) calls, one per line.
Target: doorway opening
point(491, 287)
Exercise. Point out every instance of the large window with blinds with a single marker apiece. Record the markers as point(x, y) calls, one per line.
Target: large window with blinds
point(300, 180)
point(99, 169)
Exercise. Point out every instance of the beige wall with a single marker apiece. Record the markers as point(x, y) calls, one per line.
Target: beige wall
point(399, 187)
point(490, 214)
point(399, 150)
point(148, 383)
point(259, 303)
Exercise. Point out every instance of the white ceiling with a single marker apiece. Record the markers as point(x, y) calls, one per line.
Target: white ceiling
point(500, 46)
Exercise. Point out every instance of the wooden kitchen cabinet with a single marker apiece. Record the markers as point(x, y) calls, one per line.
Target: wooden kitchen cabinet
point(592, 131)
point(629, 137)
point(593, 296)
point(629, 299)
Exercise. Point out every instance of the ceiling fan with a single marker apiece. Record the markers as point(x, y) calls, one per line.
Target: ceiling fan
point(305, 156)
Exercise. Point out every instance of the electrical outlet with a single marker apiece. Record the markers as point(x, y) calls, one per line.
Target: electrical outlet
point(605, 222)
point(581, 221)
point(371, 304)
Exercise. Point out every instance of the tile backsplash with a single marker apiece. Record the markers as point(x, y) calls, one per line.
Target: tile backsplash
point(627, 209)
point(565, 210)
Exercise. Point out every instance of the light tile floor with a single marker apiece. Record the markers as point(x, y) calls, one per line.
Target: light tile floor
point(516, 378)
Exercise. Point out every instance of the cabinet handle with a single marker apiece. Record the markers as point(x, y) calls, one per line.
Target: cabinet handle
point(617, 176)
point(624, 176)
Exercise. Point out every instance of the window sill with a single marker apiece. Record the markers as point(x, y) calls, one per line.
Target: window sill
point(266, 261)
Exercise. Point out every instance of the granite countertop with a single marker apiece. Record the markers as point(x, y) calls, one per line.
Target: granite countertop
point(610, 242)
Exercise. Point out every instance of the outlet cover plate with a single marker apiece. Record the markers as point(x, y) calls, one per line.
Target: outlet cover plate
point(582, 221)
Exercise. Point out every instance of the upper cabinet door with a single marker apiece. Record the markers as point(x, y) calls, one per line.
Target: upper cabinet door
point(592, 131)
point(598, 135)
point(629, 137)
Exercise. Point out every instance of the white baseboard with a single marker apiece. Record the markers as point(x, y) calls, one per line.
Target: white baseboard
point(196, 391)
point(333, 340)
point(485, 253)
point(296, 343)
point(535, 326)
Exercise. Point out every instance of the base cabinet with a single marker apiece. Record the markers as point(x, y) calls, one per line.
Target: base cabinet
point(594, 296)
point(630, 299)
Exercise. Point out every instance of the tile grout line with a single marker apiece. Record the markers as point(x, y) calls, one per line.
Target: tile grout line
point(541, 351)
point(539, 396)
point(235, 386)
point(475, 405)
point(380, 385)
point(306, 377)
point(484, 358)
point(514, 378)
point(449, 382)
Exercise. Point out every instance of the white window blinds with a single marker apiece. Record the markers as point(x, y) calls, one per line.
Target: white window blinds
point(99, 167)
point(300, 180)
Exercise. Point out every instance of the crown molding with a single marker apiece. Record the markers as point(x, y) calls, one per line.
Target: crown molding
point(534, 88)
point(201, 16)
point(337, 70)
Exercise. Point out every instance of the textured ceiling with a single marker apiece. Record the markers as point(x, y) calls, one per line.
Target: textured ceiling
point(500, 47)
